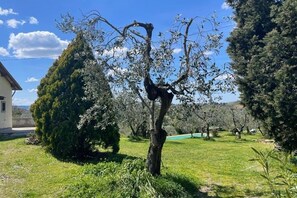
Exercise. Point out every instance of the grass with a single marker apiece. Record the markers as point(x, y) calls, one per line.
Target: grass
point(27, 171)
point(219, 168)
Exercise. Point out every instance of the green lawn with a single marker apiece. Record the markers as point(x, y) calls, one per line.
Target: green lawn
point(218, 168)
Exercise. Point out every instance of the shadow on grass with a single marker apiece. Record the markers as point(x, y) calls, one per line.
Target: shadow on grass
point(220, 191)
point(189, 186)
point(237, 141)
point(217, 191)
point(9, 137)
point(227, 191)
point(210, 139)
point(250, 193)
point(137, 139)
point(213, 191)
point(173, 142)
point(97, 157)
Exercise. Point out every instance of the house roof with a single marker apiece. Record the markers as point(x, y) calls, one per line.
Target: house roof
point(14, 84)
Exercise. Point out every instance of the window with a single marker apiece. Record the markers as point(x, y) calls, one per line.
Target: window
point(3, 106)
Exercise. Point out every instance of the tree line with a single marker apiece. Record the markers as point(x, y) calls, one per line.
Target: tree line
point(133, 118)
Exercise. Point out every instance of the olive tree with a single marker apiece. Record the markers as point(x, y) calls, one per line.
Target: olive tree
point(176, 63)
point(207, 114)
point(131, 113)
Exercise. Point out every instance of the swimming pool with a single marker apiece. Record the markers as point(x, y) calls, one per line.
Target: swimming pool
point(181, 137)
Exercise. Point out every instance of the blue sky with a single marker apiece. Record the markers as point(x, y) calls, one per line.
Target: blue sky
point(30, 40)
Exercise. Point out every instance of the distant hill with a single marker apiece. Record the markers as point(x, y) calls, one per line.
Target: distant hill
point(236, 105)
point(22, 107)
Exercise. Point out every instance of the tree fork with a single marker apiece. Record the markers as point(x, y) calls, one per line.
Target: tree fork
point(158, 135)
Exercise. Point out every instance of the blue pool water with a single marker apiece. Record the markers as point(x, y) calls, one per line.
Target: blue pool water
point(181, 137)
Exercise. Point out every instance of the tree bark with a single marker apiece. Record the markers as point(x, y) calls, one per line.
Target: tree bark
point(207, 131)
point(152, 116)
point(248, 130)
point(262, 133)
point(132, 130)
point(158, 135)
point(240, 132)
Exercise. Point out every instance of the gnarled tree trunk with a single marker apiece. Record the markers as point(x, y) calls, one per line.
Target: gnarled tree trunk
point(158, 135)
point(207, 131)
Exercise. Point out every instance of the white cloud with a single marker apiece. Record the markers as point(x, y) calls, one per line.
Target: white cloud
point(225, 76)
point(117, 70)
point(32, 90)
point(13, 23)
point(208, 53)
point(1, 22)
point(3, 52)
point(177, 50)
point(116, 52)
point(39, 44)
point(33, 20)
point(6, 12)
point(32, 79)
point(225, 6)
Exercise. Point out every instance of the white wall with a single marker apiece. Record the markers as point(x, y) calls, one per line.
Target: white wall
point(6, 91)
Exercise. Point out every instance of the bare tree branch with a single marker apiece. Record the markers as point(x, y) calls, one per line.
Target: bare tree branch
point(187, 51)
point(142, 99)
point(97, 17)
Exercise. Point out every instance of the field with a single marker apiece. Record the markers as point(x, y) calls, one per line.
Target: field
point(219, 168)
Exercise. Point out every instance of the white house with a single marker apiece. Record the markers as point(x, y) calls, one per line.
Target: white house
point(8, 86)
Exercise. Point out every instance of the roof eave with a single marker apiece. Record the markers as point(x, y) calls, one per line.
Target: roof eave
point(14, 84)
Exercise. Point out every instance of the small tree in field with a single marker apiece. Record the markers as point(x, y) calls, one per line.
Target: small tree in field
point(182, 119)
point(61, 101)
point(240, 119)
point(132, 114)
point(177, 64)
point(207, 114)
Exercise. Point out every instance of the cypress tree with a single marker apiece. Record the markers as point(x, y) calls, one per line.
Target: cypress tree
point(62, 101)
point(263, 52)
